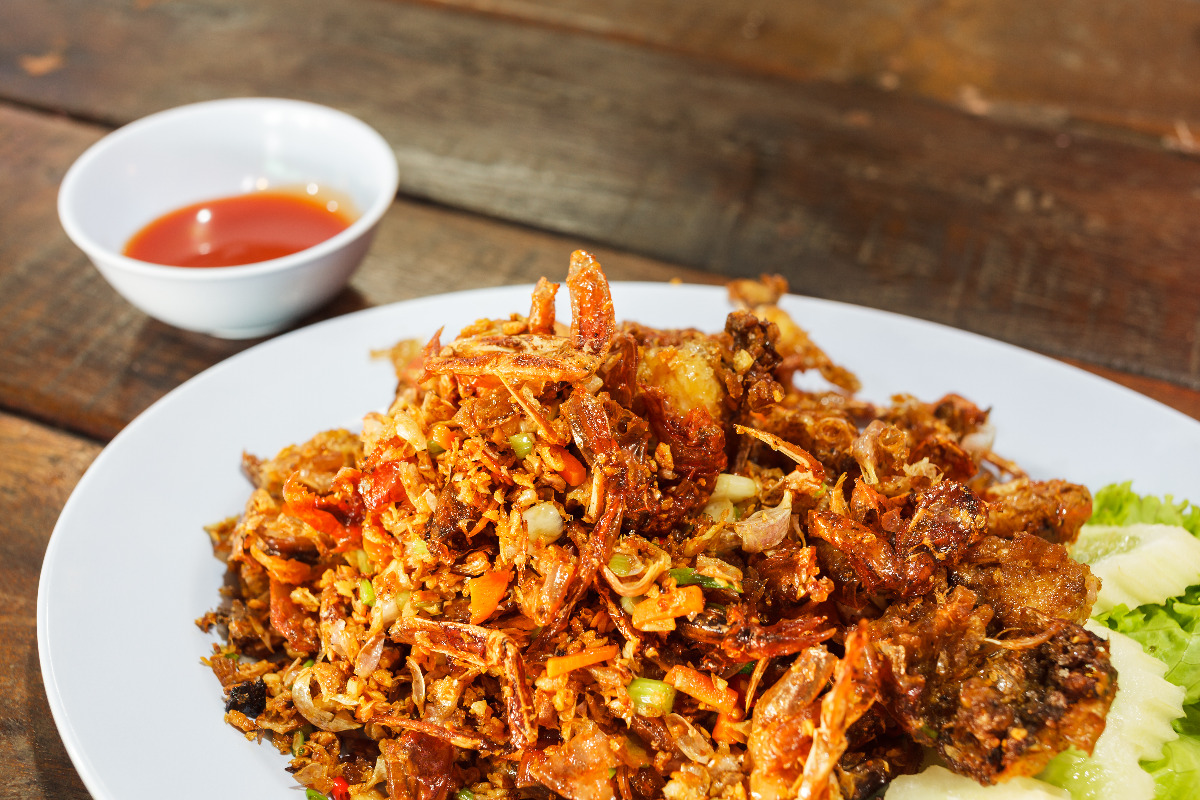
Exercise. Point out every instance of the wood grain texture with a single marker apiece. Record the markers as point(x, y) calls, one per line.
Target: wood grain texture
point(1072, 62)
point(38, 470)
point(1016, 169)
point(1061, 242)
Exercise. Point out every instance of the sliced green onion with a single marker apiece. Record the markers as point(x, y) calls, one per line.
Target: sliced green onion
point(651, 698)
point(309, 663)
point(464, 794)
point(747, 668)
point(297, 744)
point(621, 565)
point(627, 603)
point(686, 576)
point(734, 488)
point(366, 592)
point(312, 794)
point(521, 443)
point(719, 508)
point(360, 561)
point(434, 448)
point(612, 772)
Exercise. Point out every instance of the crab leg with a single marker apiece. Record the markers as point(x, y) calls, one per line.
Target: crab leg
point(593, 321)
point(485, 649)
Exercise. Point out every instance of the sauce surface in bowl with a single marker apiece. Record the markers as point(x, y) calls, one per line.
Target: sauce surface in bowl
point(242, 229)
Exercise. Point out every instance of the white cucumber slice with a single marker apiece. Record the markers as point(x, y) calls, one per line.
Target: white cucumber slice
point(935, 783)
point(1139, 724)
point(1138, 564)
point(1146, 702)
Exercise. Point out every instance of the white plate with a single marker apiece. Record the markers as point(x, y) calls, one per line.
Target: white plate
point(129, 567)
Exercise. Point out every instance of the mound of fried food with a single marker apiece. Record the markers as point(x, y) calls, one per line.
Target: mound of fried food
point(611, 560)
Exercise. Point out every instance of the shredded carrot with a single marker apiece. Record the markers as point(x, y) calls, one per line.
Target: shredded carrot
point(701, 686)
point(561, 665)
point(572, 471)
point(727, 729)
point(486, 593)
point(678, 602)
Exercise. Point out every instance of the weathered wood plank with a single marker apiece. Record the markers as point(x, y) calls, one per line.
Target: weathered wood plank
point(1067, 244)
point(1056, 64)
point(39, 469)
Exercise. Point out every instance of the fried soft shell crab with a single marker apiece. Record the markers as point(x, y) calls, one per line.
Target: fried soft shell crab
point(608, 560)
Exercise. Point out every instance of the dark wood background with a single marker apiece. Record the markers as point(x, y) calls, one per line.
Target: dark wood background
point(1021, 169)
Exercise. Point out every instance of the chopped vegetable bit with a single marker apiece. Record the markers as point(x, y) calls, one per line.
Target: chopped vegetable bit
point(561, 665)
point(487, 591)
point(686, 576)
point(544, 522)
point(521, 443)
point(667, 606)
point(361, 561)
point(366, 592)
point(621, 565)
point(441, 438)
point(730, 730)
point(704, 688)
point(651, 698)
point(567, 465)
point(734, 488)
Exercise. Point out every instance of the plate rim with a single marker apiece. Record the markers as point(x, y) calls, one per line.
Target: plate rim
point(92, 776)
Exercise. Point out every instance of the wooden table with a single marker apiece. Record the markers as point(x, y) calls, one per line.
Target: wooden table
point(1029, 174)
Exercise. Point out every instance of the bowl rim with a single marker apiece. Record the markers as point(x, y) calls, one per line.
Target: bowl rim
point(114, 259)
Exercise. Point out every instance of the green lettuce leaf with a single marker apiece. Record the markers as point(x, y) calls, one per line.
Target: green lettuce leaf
point(1170, 632)
point(1118, 504)
point(1177, 773)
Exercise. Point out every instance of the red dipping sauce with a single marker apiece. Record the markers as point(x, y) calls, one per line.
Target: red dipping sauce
point(243, 229)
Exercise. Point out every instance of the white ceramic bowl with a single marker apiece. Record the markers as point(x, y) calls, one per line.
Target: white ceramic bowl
point(216, 149)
